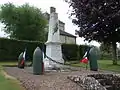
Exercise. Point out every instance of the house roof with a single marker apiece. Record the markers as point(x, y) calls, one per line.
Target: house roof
point(66, 34)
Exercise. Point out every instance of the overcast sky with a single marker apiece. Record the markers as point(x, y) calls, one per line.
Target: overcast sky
point(61, 8)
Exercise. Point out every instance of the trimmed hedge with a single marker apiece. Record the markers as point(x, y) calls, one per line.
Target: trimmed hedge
point(10, 49)
point(70, 51)
point(82, 50)
point(74, 52)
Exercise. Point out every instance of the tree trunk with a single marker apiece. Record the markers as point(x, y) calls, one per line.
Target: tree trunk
point(114, 53)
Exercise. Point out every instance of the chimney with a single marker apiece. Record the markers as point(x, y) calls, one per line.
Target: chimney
point(52, 9)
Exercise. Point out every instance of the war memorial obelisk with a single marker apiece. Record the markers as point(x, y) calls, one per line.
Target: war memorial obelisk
point(53, 44)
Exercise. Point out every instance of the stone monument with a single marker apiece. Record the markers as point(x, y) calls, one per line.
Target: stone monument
point(53, 44)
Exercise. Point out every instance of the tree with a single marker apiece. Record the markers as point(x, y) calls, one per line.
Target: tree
point(98, 20)
point(23, 22)
point(106, 51)
point(105, 47)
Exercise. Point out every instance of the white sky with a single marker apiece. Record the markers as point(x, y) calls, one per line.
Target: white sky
point(61, 8)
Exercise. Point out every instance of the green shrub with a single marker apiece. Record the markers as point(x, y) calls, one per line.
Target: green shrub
point(106, 57)
point(73, 51)
point(10, 49)
point(70, 51)
point(82, 50)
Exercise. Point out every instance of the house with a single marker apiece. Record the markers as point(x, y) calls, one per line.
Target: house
point(65, 37)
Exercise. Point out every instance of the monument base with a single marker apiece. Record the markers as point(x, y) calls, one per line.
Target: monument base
point(50, 65)
point(47, 65)
point(54, 52)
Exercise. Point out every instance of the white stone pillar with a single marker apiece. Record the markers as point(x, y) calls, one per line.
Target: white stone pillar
point(53, 35)
point(53, 44)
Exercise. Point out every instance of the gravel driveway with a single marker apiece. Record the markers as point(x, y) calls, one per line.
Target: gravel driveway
point(49, 81)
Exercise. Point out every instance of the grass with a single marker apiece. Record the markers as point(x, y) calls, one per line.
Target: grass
point(107, 65)
point(104, 65)
point(8, 84)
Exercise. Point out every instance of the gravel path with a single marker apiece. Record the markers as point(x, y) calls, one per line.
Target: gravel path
point(49, 81)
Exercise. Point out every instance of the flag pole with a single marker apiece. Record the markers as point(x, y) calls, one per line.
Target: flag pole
point(86, 66)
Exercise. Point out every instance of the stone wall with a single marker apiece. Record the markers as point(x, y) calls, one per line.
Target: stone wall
point(67, 40)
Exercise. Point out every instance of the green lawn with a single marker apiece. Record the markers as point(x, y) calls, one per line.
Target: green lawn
point(107, 65)
point(8, 84)
point(104, 65)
